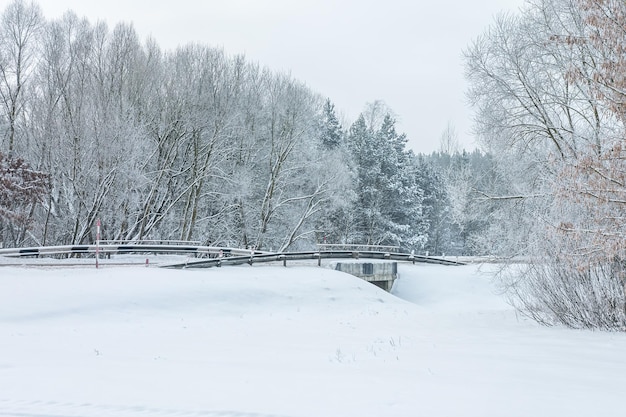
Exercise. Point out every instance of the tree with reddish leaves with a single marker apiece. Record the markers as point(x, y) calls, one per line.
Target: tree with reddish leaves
point(21, 189)
point(597, 178)
point(606, 35)
point(550, 89)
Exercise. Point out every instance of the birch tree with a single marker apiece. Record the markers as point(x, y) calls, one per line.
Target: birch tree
point(20, 25)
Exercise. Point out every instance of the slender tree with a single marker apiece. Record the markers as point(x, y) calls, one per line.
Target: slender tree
point(331, 132)
point(19, 30)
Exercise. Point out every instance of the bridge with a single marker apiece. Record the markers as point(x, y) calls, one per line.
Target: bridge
point(380, 273)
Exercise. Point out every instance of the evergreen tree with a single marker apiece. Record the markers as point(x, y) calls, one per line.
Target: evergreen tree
point(367, 170)
point(435, 206)
point(331, 132)
point(389, 202)
point(335, 224)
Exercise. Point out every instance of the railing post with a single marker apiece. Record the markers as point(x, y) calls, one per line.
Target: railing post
point(97, 241)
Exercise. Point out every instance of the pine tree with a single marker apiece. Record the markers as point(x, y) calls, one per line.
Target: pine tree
point(435, 206)
point(389, 202)
point(331, 132)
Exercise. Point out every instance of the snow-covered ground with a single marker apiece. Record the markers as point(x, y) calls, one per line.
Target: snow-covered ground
point(300, 341)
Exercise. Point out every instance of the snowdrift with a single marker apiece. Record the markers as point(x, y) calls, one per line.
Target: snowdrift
point(292, 342)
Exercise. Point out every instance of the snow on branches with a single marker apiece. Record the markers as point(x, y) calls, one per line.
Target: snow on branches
point(20, 188)
point(550, 88)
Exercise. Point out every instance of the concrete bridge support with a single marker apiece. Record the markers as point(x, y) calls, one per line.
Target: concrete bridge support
point(381, 274)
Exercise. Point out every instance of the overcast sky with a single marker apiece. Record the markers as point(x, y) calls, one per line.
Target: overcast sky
point(404, 52)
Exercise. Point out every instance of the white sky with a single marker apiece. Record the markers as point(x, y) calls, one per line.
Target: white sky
point(404, 52)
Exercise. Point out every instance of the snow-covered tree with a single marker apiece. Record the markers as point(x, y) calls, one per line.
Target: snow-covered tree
point(435, 206)
point(21, 189)
point(331, 131)
point(388, 207)
point(548, 87)
point(191, 144)
point(20, 26)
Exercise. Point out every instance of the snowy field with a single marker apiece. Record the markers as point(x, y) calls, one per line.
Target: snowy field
point(300, 341)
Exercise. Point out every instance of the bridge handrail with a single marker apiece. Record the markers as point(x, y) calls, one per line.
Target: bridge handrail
point(301, 256)
point(168, 242)
point(219, 255)
point(122, 248)
point(323, 247)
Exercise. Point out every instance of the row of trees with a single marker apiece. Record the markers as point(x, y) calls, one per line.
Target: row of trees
point(190, 144)
point(193, 144)
point(549, 85)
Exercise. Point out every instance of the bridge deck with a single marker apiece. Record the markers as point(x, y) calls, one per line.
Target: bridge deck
point(218, 256)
